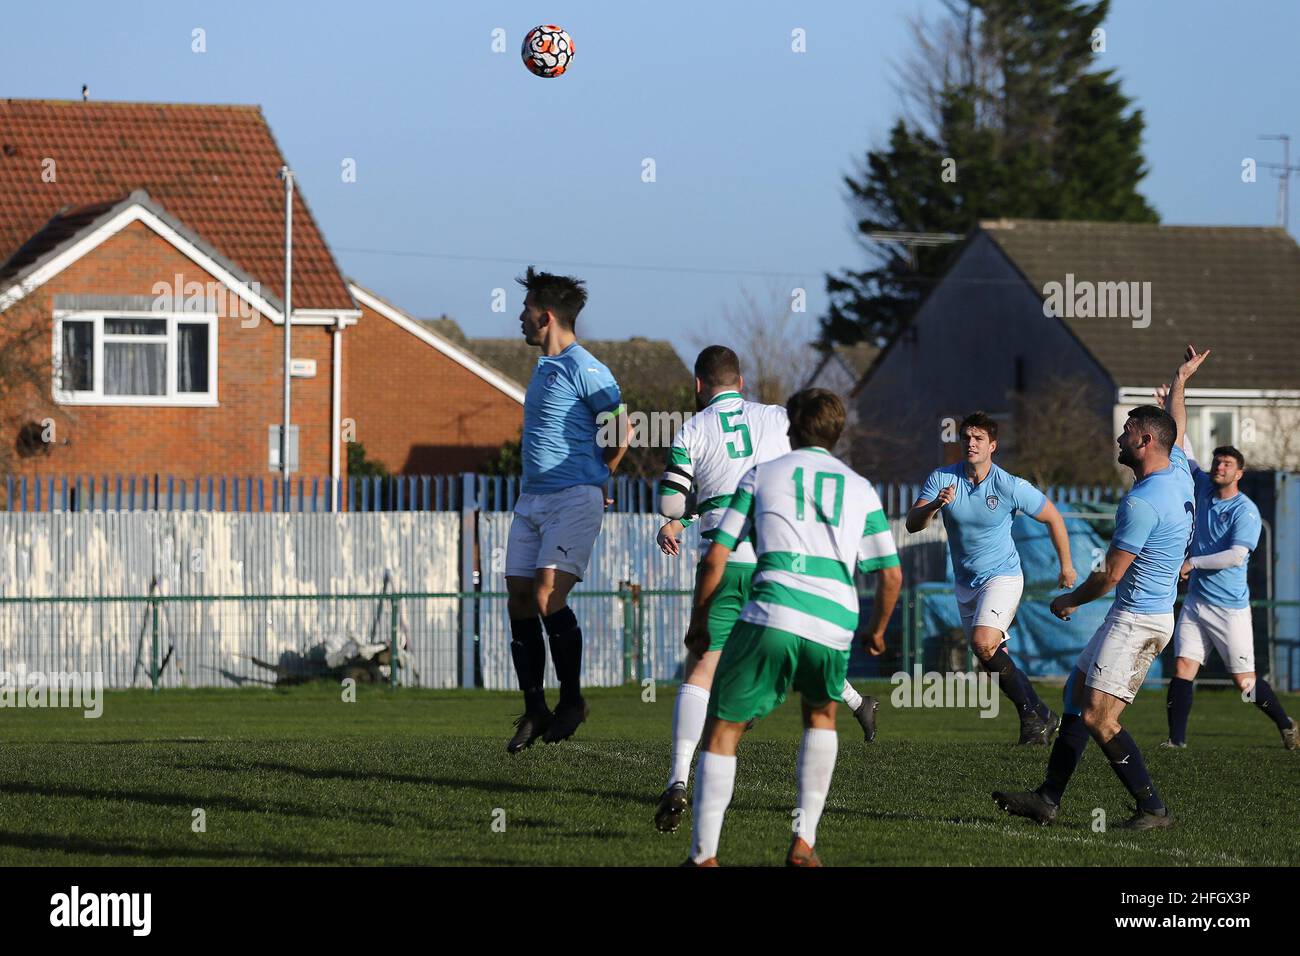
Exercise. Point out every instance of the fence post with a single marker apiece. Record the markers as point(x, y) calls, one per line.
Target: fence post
point(153, 627)
point(906, 598)
point(469, 602)
point(392, 640)
point(625, 597)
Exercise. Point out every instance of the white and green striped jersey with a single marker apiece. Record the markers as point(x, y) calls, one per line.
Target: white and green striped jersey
point(714, 448)
point(812, 520)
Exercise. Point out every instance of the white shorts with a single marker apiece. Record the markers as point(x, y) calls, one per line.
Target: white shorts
point(555, 530)
point(992, 604)
point(1119, 655)
point(1228, 629)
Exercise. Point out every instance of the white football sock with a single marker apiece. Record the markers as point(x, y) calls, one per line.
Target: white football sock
point(816, 763)
point(852, 699)
point(715, 779)
point(690, 710)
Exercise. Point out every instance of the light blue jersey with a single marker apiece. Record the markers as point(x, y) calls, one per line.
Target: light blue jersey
point(565, 395)
point(1155, 521)
point(1222, 524)
point(979, 520)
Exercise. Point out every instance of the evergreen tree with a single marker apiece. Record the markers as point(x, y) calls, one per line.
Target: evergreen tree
point(1025, 127)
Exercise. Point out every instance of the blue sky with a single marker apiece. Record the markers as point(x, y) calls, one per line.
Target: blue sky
point(463, 154)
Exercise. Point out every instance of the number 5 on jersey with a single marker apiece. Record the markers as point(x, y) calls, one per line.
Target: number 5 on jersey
point(746, 446)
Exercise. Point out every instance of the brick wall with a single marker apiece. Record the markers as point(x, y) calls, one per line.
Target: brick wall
point(416, 410)
point(230, 439)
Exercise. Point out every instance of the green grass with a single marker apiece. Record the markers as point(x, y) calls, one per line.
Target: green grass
point(299, 777)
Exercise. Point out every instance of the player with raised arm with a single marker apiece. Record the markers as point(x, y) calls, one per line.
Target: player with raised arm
point(812, 522)
point(709, 455)
point(1216, 612)
point(1153, 532)
point(561, 504)
point(978, 502)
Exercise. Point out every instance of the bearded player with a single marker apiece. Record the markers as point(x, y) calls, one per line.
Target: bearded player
point(978, 502)
point(813, 522)
point(1216, 613)
point(561, 504)
point(1153, 532)
point(709, 455)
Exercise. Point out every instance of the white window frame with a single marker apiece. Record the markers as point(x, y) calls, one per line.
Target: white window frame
point(1203, 431)
point(96, 396)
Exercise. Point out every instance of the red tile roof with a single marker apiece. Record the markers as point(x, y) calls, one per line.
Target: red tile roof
point(212, 167)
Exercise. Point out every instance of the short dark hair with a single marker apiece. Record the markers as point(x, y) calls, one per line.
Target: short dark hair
point(982, 421)
point(1157, 421)
point(564, 296)
point(816, 418)
point(717, 365)
point(1229, 451)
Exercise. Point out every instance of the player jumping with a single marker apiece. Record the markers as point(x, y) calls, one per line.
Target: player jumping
point(561, 505)
point(1217, 610)
point(812, 521)
point(709, 455)
point(1153, 531)
point(979, 501)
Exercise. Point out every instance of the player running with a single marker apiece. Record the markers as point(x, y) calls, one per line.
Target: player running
point(710, 454)
point(811, 520)
point(1153, 531)
point(1216, 612)
point(561, 505)
point(979, 501)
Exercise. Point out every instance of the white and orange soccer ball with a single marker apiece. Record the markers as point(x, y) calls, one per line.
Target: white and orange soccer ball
point(547, 51)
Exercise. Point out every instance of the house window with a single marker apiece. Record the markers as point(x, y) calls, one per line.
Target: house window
point(135, 359)
point(1220, 428)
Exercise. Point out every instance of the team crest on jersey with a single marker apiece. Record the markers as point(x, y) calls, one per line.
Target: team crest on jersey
point(552, 379)
point(992, 502)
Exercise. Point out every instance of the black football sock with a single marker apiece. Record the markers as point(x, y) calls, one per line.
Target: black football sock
point(1267, 701)
point(1126, 760)
point(566, 652)
point(1066, 754)
point(1013, 683)
point(529, 652)
point(1178, 705)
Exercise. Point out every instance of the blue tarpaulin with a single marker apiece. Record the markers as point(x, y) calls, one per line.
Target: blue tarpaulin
point(1040, 643)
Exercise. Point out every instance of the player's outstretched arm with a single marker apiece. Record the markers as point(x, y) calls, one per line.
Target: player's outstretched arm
point(1176, 404)
point(1049, 516)
point(889, 584)
point(1098, 584)
point(1162, 399)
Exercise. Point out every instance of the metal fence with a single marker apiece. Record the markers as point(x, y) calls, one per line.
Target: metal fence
point(155, 492)
point(222, 599)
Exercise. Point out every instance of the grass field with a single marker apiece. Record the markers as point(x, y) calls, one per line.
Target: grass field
point(414, 777)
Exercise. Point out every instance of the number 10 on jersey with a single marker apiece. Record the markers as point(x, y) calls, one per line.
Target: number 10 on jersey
point(819, 488)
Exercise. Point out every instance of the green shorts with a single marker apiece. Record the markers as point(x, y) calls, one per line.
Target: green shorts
point(759, 665)
point(728, 600)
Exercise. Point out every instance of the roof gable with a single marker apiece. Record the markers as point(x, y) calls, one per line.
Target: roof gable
point(422, 331)
point(214, 168)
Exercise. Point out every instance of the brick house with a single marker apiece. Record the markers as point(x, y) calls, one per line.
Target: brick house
point(1107, 307)
point(141, 264)
point(141, 314)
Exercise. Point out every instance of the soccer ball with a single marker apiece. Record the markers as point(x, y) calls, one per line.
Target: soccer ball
point(547, 50)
